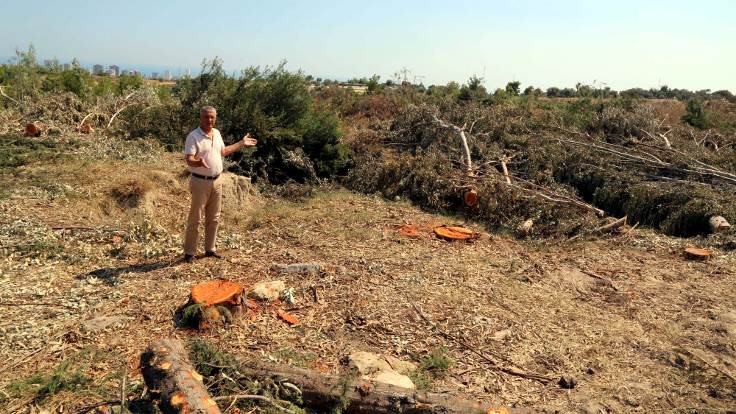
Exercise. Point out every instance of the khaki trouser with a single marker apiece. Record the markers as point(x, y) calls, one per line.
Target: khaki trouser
point(207, 196)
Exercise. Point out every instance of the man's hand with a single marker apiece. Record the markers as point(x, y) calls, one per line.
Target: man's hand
point(195, 161)
point(247, 141)
point(201, 162)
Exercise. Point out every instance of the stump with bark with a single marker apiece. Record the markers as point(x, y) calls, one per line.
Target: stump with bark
point(212, 303)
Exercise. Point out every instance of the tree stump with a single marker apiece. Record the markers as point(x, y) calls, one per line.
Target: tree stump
point(695, 253)
point(212, 303)
point(452, 233)
point(166, 369)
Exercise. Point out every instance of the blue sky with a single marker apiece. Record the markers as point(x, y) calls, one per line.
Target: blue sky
point(623, 44)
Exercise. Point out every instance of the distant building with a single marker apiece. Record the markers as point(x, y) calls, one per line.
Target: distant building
point(48, 63)
point(189, 73)
point(67, 66)
point(154, 75)
point(167, 75)
point(125, 72)
point(135, 73)
point(114, 70)
point(97, 70)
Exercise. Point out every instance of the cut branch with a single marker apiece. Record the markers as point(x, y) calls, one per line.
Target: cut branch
point(263, 398)
point(2, 93)
point(505, 170)
point(112, 118)
point(463, 140)
point(493, 362)
point(89, 115)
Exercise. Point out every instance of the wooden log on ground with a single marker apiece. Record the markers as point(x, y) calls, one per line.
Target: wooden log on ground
point(166, 369)
point(358, 396)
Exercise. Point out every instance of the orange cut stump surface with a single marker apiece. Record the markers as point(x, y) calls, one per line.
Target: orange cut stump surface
point(696, 253)
point(217, 291)
point(455, 233)
point(471, 198)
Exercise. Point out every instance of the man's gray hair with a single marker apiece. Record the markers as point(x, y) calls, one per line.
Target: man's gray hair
point(207, 109)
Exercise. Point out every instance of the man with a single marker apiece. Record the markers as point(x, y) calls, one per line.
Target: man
point(204, 150)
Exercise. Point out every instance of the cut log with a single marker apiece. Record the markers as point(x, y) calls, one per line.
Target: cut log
point(166, 369)
point(718, 224)
point(319, 392)
point(452, 233)
point(324, 392)
point(471, 198)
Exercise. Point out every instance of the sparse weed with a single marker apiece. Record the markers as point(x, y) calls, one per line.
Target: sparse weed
point(432, 366)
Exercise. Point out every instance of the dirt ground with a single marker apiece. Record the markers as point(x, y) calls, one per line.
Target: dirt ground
point(637, 326)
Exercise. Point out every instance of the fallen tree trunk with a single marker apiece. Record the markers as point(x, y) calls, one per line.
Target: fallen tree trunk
point(166, 369)
point(358, 396)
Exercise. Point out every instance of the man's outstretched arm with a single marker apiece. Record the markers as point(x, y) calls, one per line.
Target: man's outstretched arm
point(247, 141)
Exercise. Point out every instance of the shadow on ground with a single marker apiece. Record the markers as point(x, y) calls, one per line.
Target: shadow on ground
point(112, 275)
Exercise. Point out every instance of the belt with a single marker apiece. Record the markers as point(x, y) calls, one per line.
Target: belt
point(204, 177)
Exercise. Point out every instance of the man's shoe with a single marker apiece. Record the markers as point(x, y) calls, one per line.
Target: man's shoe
point(213, 254)
point(188, 258)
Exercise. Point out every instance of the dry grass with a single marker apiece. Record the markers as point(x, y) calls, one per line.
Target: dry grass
point(130, 193)
point(646, 333)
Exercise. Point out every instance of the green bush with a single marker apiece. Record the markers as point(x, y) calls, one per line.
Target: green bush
point(76, 81)
point(695, 114)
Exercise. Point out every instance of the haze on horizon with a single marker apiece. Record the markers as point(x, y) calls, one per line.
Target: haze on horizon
point(677, 43)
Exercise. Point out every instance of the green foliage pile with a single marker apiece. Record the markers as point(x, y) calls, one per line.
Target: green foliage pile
point(420, 161)
point(17, 151)
point(214, 365)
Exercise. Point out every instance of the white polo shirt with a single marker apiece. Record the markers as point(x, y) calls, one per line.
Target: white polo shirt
point(209, 149)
